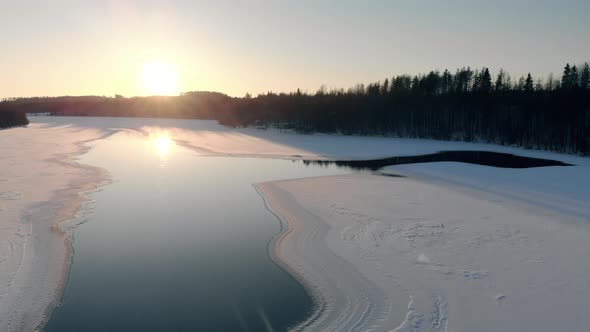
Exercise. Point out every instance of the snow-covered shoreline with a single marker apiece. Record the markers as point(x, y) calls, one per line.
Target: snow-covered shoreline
point(41, 187)
point(343, 297)
point(443, 257)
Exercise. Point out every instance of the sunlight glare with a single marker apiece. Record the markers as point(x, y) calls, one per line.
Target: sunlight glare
point(160, 78)
point(162, 144)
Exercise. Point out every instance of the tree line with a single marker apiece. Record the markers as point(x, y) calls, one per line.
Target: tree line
point(467, 104)
point(11, 116)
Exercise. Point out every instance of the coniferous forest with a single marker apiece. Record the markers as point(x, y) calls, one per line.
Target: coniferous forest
point(12, 116)
point(468, 105)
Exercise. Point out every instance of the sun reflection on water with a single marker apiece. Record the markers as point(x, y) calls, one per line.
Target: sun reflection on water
point(162, 144)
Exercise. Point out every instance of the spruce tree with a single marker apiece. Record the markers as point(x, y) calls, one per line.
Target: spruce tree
point(385, 87)
point(585, 77)
point(486, 81)
point(508, 82)
point(500, 81)
point(529, 84)
point(566, 77)
point(574, 78)
point(539, 84)
point(551, 83)
point(392, 85)
point(476, 87)
point(415, 84)
point(446, 82)
point(468, 78)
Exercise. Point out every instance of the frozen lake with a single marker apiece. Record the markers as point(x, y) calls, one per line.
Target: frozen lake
point(179, 240)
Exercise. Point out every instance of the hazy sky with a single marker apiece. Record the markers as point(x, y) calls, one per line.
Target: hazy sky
point(100, 47)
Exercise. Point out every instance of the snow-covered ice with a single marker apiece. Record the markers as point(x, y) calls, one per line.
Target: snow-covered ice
point(40, 186)
point(465, 261)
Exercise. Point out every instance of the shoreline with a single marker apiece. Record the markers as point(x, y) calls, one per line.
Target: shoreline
point(76, 196)
point(344, 299)
point(318, 301)
point(37, 272)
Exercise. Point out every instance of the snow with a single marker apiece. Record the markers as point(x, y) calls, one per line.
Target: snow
point(465, 262)
point(448, 247)
point(563, 190)
point(210, 138)
point(40, 186)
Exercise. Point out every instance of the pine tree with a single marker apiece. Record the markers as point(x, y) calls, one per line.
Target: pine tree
point(539, 84)
point(528, 84)
point(415, 84)
point(476, 87)
point(508, 83)
point(463, 79)
point(551, 84)
point(321, 91)
point(486, 81)
point(469, 77)
point(519, 85)
point(566, 77)
point(374, 89)
point(385, 87)
point(431, 83)
point(574, 78)
point(500, 81)
point(446, 83)
point(585, 77)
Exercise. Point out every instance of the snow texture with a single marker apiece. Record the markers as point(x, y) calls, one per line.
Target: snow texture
point(40, 186)
point(483, 256)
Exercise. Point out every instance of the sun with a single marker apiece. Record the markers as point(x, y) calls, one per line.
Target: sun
point(159, 78)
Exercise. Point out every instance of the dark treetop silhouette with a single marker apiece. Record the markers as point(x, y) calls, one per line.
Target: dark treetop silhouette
point(12, 115)
point(468, 105)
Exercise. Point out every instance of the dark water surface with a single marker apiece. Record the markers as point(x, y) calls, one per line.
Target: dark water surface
point(485, 158)
point(179, 242)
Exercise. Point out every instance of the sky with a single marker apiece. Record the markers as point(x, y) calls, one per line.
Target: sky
point(59, 47)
